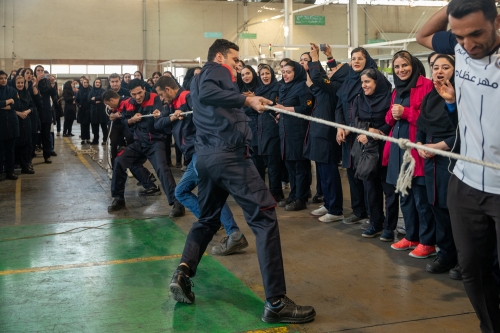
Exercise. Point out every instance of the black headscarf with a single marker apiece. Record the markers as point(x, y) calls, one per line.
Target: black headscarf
point(434, 119)
point(23, 94)
point(123, 84)
point(297, 86)
point(380, 100)
point(341, 74)
point(406, 85)
point(252, 85)
point(266, 90)
point(352, 84)
point(188, 77)
point(101, 89)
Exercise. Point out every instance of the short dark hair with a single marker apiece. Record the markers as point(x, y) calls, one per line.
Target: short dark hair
point(135, 83)
point(360, 49)
point(308, 54)
point(430, 56)
point(113, 76)
point(290, 63)
point(222, 46)
point(156, 73)
point(460, 8)
point(371, 73)
point(449, 58)
point(166, 81)
point(109, 94)
point(3, 73)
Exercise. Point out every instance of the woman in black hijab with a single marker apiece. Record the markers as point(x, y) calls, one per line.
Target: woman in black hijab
point(249, 84)
point(437, 128)
point(98, 114)
point(295, 96)
point(411, 88)
point(9, 126)
point(31, 84)
point(169, 73)
point(138, 75)
point(368, 111)
point(68, 94)
point(125, 80)
point(23, 142)
point(83, 116)
point(192, 72)
point(360, 60)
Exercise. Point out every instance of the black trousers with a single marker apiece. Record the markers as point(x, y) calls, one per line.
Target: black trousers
point(23, 155)
point(34, 140)
point(68, 125)
point(178, 154)
point(232, 173)
point(46, 138)
point(7, 155)
point(259, 162)
point(273, 163)
point(134, 156)
point(319, 189)
point(85, 131)
point(444, 235)
point(119, 136)
point(299, 173)
point(58, 124)
point(375, 190)
point(357, 190)
point(329, 176)
point(475, 220)
point(419, 221)
point(95, 131)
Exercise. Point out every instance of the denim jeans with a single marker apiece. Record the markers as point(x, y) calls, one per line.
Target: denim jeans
point(184, 195)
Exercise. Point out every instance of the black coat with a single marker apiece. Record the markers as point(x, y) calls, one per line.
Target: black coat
point(25, 131)
point(83, 103)
point(47, 92)
point(69, 106)
point(97, 110)
point(9, 124)
point(34, 115)
point(268, 136)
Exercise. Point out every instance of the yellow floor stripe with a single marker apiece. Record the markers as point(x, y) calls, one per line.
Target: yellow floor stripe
point(271, 330)
point(88, 264)
point(18, 202)
point(83, 160)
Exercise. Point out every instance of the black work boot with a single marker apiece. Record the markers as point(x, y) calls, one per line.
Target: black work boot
point(287, 312)
point(439, 266)
point(116, 205)
point(455, 273)
point(155, 190)
point(230, 244)
point(178, 210)
point(296, 205)
point(180, 287)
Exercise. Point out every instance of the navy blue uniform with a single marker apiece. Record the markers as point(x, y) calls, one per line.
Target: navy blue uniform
point(222, 144)
point(98, 115)
point(9, 127)
point(46, 114)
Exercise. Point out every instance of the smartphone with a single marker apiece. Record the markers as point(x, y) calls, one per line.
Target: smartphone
point(322, 47)
point(46, 76)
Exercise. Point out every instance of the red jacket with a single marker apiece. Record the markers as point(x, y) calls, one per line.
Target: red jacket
point(411, 114)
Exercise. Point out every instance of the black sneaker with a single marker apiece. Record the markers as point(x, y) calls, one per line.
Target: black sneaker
point(116, 205)
point(11, 176)
point(28, 171)
point(178, 210)
point(152, 178)
point(155, 190)
point(285, 202)
point(230, 244)
point(455, 273)
point(48, 161)
point(318, 198)
point(180, 287)
point(439, 266)
point(296, 205)
point(287, 312)
point(53, 153)
point(353, 219)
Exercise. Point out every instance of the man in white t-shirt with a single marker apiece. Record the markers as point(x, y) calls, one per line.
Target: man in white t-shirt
point(474, 191)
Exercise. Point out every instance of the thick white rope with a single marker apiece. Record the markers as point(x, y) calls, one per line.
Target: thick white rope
point(407, 168)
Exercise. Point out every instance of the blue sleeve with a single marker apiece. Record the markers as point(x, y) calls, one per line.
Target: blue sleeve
point(212, 94)
point(451, 107)
point(444, 42)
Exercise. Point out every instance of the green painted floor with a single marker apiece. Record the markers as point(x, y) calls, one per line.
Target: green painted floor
point(125, 295)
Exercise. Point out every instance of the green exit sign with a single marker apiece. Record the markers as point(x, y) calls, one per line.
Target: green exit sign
point(213, 34)
point(247, 35)
point(309, 20)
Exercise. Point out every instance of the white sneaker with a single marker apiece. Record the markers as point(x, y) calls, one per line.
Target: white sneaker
point(129, 174)
point(110, 175)
point(330, 218)
point(320, 211)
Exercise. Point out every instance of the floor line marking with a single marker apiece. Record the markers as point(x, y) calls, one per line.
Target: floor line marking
point(18, 202)
point(88, 264)
point(283, 329)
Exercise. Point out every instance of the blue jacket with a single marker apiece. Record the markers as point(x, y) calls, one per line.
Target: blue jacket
point(9, 124)
point(221, 123)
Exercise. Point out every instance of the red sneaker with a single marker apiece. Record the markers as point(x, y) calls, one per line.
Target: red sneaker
point(423, 251)
point(404, 244)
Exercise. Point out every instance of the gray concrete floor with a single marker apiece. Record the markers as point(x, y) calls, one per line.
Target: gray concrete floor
point(355, 284)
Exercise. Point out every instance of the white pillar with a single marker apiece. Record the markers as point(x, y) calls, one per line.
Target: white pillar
point(288, 27)
point(352, 22)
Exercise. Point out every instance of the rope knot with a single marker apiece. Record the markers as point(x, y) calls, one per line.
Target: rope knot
point(402, 143)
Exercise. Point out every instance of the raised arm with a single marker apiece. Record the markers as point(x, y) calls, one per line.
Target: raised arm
point(438, 22)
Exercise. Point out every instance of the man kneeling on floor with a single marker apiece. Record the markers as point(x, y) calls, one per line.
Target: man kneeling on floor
point(149, 144)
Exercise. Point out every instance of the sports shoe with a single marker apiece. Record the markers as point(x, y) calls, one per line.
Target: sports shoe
point(287, 312)
point(296, 206)
point(155, 190)
point(387, 236)
point(180, 287)
point(285, 202)
point(27, 171)
point(439, 266)
point(116, 205)
point(365, 225)
point(353, 219)
point(317, 198)
point(320, 211)
point(404, 244)
point(330, 218)
point(152, 178)
point(455, 273)
point(230, 244)
point(371, 232)
point(423, 251)
point(178, 210)
point(129, 173)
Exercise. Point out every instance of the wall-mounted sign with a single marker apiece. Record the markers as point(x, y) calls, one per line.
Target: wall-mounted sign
point(247, 35)
point(373, 41)
point(309, 20)
point(213, 34)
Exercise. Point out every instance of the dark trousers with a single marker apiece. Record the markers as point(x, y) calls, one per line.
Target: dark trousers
point(273, 163)
point(178, 154)
point(298, 172)
point(95, 131)
point(332, 186)
point(285, 177)
point(168, 149)
point(85, 131)
point(68, 125)
point(23, 155)
point(357, 190)
point(319, 189)
point(419, 221)
point(7, 155)
point(375, 191)
point(231, 173)
point(134, 156)
point(34, 140)
point(259, 162)
point(475, 220)
point(444, 235)
point(119, 136)
point(46, 139)
point(58, 124)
